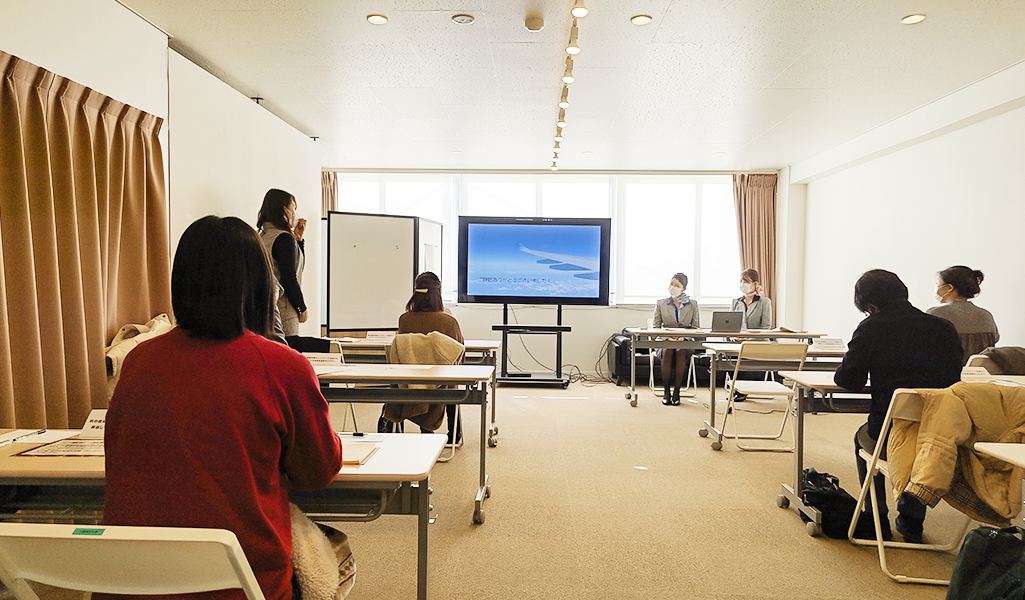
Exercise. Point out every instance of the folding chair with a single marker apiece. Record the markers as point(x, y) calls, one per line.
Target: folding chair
point(906, 404)
point(981, 360)
point(775, 356)
point(692, 379)
point(123, 560)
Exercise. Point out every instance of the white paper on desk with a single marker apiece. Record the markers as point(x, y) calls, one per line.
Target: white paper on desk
point(974, 373)
point(94, 423)
point(51, 435)
point(381, 336)
point(68, 447)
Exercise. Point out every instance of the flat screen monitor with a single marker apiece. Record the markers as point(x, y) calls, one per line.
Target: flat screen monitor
point(534, 260)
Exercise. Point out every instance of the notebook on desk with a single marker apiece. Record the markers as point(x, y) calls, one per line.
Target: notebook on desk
point(727, 321)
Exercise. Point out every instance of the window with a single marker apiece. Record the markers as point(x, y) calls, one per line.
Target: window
point(677, 223)
point(662, 224)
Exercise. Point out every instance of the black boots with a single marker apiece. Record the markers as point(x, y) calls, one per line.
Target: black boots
point(666, 397)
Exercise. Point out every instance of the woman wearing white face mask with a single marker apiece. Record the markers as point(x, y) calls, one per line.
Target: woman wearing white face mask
point(975, 325)
point(756, 308)
point(678, 310)
point(281, 231)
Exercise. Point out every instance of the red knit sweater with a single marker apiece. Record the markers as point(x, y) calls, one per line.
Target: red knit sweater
point(210, 433)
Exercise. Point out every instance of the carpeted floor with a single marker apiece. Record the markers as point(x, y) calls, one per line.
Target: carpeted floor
point(593, 498)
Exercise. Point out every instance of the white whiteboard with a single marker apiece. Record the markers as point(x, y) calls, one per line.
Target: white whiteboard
point(429, 247)
point(371, 267)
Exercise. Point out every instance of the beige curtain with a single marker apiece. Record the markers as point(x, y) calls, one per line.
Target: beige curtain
point(83, 240)
point(328, 192)
point(755, 199)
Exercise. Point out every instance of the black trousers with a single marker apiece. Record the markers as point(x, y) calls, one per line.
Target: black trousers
point(908, 506)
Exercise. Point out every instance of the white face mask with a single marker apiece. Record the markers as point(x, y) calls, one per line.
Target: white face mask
point(675, 290)
point(747, 288)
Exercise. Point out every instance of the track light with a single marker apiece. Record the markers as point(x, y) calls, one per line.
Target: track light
point(556, 149)
point(579, 10)
point(555, 158)
point(567, 77)
point(573, 49)
point(558, 134)
point(562, 118)
point(554, 167)
point(564, 102)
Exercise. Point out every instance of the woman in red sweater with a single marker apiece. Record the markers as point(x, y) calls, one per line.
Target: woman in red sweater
point(211, 423)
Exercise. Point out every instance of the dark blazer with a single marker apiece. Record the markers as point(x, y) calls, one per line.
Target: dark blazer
point(900, 347)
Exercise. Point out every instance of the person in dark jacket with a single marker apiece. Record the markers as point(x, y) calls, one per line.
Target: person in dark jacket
point(899, 346)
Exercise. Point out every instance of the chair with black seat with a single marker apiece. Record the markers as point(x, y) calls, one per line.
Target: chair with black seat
point(905, 404)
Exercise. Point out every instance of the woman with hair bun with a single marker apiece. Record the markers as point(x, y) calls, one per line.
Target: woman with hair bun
point(954, 288)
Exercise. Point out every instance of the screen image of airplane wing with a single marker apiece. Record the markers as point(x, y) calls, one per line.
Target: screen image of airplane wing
point(587, 267)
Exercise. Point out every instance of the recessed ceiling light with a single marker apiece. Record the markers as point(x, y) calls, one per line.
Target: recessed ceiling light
point(720, 154)
point(588, 153)
point(912, 19)
point(377, 19)
point(640, 19)
point(462, 19)
point(457, 152)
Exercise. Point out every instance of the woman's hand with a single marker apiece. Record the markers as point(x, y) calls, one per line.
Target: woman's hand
point(300, 229)
point(303, 316)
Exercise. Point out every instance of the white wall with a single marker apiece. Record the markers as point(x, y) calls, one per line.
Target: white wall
point(226, 152)
point(97, 43)
point(952, 199)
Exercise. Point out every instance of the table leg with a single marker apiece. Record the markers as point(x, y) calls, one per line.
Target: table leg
point(423, 511)
point(710, 423)
point(632, 394)
point(790, 496)
point(483, 490)
point(493, 430)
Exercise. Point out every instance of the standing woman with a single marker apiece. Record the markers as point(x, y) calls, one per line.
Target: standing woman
point(282, 230)
point(975, 325)
point(678, 310)
point(757, 309)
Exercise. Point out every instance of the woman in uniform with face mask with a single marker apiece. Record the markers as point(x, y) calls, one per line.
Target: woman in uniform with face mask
point(975, 326)
point(756, 308)
point(281, 231)
point(678, 310)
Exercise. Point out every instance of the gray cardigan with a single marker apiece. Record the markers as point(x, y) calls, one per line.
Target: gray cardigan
point(666, 315)
point(756, 316)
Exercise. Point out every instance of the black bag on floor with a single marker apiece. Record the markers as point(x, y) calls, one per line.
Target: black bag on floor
point(823, 491)
point(990, 565)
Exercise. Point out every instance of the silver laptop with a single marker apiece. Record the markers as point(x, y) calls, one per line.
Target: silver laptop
point(727, 321)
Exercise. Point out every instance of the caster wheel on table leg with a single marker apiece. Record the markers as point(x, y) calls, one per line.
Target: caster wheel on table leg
point(782, 501)
point(716, 445)
point(478, 517)
point(703, 432)
point(813, 529)
point(487, 491)
point(492, 442)
point(633, 401)
point(495, 429)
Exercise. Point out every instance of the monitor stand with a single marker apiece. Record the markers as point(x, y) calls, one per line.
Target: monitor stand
point(525, 378)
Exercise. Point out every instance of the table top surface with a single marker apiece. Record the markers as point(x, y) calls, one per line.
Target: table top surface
point(1014, 379)
point(389, 373)
point(476, 345)
point(816, 380)
point(734, 348)
point(400, 457)
point(1012, 453)
point(754, 333)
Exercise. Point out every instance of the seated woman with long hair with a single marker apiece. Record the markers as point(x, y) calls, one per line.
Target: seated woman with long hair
point(212, 423)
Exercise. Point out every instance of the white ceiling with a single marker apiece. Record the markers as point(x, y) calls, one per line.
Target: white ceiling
point(768, 82)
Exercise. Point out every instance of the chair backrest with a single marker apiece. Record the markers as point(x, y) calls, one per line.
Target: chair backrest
point(434, 348)
point(123, 560)
point(905, 404)
point(651, 322)
point(785, 352)
point(981, 360)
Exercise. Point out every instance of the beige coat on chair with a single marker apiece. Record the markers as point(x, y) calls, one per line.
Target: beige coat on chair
point(935, 458)
point(434, 348)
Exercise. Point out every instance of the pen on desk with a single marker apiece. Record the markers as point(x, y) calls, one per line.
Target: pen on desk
point(21, 437)
point(353, 434)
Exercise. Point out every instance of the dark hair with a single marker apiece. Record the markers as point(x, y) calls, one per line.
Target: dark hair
point(221, 280)
point(879, 288)
point(426, 294)
point(965, 281)
point(273, 209)
point(750, 275)
point(682, 279)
